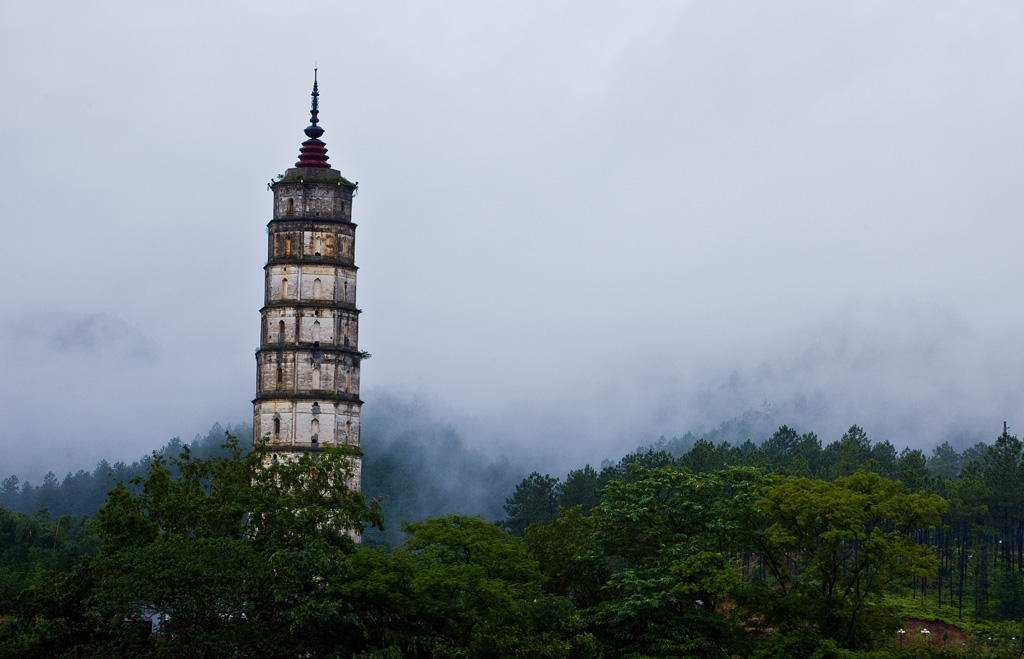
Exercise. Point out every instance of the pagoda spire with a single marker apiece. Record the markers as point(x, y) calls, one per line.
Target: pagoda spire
point(313, 152)
point(308, 362)
point(313, 130)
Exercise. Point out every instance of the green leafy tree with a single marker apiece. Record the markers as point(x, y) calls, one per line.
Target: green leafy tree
point(33, 545)
point(780, 448)
point(849, 454)
point(569, 557)
point(945, 461)
point(831, 549)
point(968, 511)
point(704, 457)
point(9, 491)
point(624, 469)
point(582, 487)
point(794, 453)
point(535, 501)
point(809, 448)
point(670, 537)
point(883, 459)
point(215, 596)
point(459, 587)
point(229, 551)
point(798, 467)
point(977, 452)
point(912, 469)
point(1003, 475)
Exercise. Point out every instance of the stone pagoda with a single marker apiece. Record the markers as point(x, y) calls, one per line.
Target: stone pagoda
point(307, 365)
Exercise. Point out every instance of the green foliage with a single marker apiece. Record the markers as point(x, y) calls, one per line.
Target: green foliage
point(535, 501)
point(722, 550)
point(945, 461)
point(669, 537)
point(582, 487)
point(626, 467)
point(832, 548)
point(798, 643)
point(848, 454)
point(215, 595)
point(279, 504)
point(912, 469)
point(459, 587)
point(33, 545)
point(673, 548)
point(569, 557)
point(228, 551)
point(705, 457)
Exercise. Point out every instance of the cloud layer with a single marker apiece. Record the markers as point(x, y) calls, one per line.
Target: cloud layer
point(576, 222)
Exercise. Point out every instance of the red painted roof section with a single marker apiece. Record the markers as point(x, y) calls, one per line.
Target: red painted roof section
point(313, 154)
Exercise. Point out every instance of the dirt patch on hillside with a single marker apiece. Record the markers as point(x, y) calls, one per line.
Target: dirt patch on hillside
point(955, 637)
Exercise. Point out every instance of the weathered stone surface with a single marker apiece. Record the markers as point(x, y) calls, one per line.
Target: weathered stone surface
point(307, 365)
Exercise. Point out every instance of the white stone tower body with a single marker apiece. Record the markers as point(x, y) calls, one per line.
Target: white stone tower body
point(307, 365)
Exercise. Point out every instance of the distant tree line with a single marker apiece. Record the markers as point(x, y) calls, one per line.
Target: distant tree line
point(83, 492)
point(418, 465)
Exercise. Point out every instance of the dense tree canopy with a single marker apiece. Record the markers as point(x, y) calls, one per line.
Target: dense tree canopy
point(787, 549)
point(830, 550)
point(218, 551)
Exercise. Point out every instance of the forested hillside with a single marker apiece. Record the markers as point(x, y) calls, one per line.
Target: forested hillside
point(83, 492)
point(978, 548)
point(685, 549)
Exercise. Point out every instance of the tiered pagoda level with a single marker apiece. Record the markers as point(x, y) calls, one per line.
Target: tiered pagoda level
point(307, 365)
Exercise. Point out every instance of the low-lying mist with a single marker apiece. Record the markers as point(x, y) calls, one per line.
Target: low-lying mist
point(912, 375)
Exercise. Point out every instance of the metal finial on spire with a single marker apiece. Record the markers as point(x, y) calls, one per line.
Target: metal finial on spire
point(313, 152)
point(316, 96)
point(313, 130)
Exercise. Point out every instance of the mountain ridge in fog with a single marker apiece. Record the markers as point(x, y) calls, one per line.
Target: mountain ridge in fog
point(912, 375)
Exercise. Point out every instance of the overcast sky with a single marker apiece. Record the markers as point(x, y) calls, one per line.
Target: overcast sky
point(581, 224)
